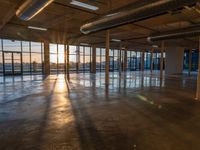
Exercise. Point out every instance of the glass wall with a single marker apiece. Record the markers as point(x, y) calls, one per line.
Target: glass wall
point(61, 58)
point(28, 58)
point(195, 57)
point(88, 58)
point(72, 58)
point(85, 59)
point(36, 57)
point(21, 57)
point(53, 58)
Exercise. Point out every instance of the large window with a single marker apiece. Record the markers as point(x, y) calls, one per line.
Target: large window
point(36, 57)
point(72, 58)
point(21, 57)
point(53, 58)
point(61, 58)
point(87, 59)
point(11, 45)
point(26, 57)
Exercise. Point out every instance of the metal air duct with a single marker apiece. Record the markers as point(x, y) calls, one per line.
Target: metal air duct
point(149, 9)
point(31, 8)
point(174, 34)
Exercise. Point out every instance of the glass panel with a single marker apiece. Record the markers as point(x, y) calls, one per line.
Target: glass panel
point(103, 51)
point(98, 51)
point(53, 63)
point(72, 62)
point(26, 63)
point(53, 48)
point(87, 50)
point(8, 63)
point(36, 63)
point(17, 63)
point(72, 49)
point(87, 63)
point(61, 58)
point(25, 46)
point(11, 45)
point(36, 47)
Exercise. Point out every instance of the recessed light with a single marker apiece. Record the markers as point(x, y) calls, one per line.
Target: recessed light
point(84, 5)
point(37, 28)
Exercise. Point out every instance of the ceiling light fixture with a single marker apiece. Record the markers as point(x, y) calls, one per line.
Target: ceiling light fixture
point(84, 5)
point(37, 28)
point(116, 40)
point(84, 44)
point(155, 46)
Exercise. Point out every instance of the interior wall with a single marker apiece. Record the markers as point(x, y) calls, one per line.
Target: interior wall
point(174, 60)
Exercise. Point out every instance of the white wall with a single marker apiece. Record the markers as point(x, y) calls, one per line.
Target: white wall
point(174, 60)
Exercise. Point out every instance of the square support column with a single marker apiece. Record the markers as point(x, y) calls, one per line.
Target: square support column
point(46, 59)
point(77, 58)
point(67, 60)
point(142, 61)
point(198, 77)
point(190, 62)
point(151, 59)
point(125, 60)
point(161, 59)
point(107, 57)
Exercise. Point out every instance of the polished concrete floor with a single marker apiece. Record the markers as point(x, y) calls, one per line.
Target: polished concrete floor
point(136, 112)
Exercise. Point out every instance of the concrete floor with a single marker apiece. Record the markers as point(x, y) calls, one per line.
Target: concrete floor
point(139, 113)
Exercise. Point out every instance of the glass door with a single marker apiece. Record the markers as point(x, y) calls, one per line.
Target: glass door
point(12, 63)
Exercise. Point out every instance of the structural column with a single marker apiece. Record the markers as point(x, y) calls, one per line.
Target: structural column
point(46, 59)
point(93, 59)
point(107, 57)
point(125, 60)
point(151, 60)
point(119, 58)
point(161, 59)
point(77, 58)
point(198, 77)
point(142, 61)
point(190, 62)
point(67, 60)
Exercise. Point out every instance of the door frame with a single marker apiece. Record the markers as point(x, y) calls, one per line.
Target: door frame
point(12, 61)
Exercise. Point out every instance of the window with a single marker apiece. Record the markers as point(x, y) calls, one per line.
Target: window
point(87, 59)
point(11, 45)
point(72, 58)
point(53, 58)
point(61, 58)
point(36, 57)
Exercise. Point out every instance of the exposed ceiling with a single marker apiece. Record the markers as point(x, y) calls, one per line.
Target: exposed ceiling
point(63, 22)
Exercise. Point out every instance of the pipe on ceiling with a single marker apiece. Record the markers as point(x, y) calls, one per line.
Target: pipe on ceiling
point(175, 34)
point(149, 9)
point(30, 8)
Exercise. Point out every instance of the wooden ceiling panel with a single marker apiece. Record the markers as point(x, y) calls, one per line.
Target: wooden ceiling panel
point(63, 22)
